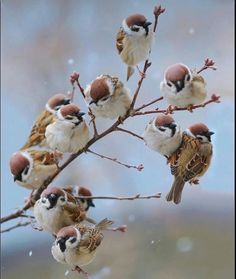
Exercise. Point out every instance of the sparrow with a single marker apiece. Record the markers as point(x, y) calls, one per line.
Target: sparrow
point(81, 191)
point(56, 209)
point(69, 132)
point(76, 245)
point(46, 117)
point(182, 87)
point(163, 135)
point(134, 41)
point(31, 168)
point(191, 160)
point(107, 97)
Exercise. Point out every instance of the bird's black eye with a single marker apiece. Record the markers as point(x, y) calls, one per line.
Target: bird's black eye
point(26, 170)
point(105, 98)
point(161, 129)
point(69, 117)
point(62, 199)
point(169, 84)
point(135, 29)
point(73, 240)
point(82, 200)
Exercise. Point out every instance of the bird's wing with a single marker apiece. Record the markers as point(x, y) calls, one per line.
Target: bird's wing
point(119, 40)
point(43, 157)
point(91, 239)
point(37, 133)
point(186, 161)
point(74, 210)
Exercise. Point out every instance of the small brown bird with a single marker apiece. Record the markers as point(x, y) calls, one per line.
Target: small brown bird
point(76, 245)
point(81, 191)
point(31, 168)
point(46, 117)
point(182, 87)
point(56, 209)
point(134, 41)
point(69, 132)
point(191, 160)
point(107, 97)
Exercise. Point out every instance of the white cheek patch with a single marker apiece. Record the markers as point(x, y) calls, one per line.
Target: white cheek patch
point(31, 164)
point(59, 115)
point(45, 202)
point(125, 27)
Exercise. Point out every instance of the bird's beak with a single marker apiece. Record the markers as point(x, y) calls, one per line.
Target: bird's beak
point(80, 114)
point(17, 177)
point(66, 102)
point(90, 202)
point(211, 133)
point(172, 126)
point(147, 23)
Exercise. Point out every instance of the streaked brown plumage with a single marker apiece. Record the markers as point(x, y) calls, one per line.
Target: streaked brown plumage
point(191, 160)
point(46, 117)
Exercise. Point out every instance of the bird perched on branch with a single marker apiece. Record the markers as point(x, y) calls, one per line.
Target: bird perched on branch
point(31, 168)
point(107, 97)
point(56, 209)
point(182, 87)
point(191, 160)
point(81, 191)
point(76, 245)
point(46, 117)
point(134, 41)
point(69, 132)
point(163, 135)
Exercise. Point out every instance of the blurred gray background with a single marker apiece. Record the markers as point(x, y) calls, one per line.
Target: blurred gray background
point(43, 42)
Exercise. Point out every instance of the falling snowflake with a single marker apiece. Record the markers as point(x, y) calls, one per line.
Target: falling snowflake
point(131, 218)
point(191, 31)
point(30, 253)
point(152, 242)
point(71, 61)
point(67, 272)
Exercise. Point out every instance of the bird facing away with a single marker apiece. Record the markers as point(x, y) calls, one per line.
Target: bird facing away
point(191, 160)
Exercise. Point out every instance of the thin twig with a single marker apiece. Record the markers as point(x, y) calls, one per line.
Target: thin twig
point(214, 99)
point(18, 225)
point(148, 104)
point(208, 64)
point(128, 132)
point(139, 167)
point(90, 111)
point(132, 198)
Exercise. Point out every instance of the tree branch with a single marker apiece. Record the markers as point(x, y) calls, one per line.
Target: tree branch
point(214, 99)
point(132, 198)
point(18, 225)
point(139, 167)
point(128, 132)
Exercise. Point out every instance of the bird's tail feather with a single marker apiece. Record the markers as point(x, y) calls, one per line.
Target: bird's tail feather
point(102, 225)
point(130, 71)
point(176, 190)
